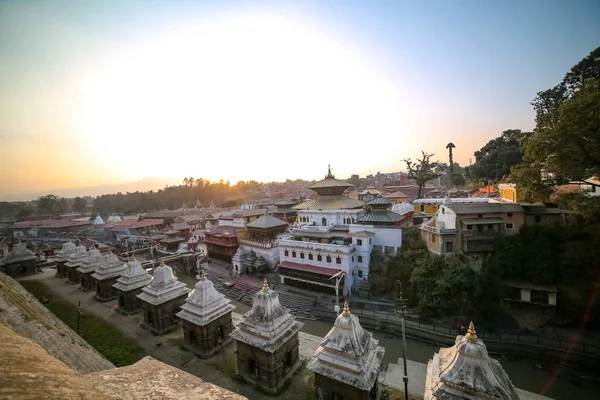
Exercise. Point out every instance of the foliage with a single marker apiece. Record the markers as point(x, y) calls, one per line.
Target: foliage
point(24, 212)
point(354, 180)
point(79, 204)
point(421, 171)
point(106, 338)
point(586, 206)
point(495, 159)
point(51, 204)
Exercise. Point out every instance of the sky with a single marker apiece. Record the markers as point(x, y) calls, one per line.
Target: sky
point(101, 92)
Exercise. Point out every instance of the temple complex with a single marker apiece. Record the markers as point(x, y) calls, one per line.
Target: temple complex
point(171, 240)
point(61, 257)
point(106, 276)
point(260, 238)
point(466, 371)
point(94, 261)
point(74, 261)
point(379, 214)
point(267, 342)
point(19, 262)
point(129, 285)
point(162, 299)
point(206, 317)
point(346, 364)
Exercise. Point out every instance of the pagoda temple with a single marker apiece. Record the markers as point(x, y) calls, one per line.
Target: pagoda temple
point(19, 262)
point(94, 261)
point(74, 261)
point(346, 364)
point(379, 213)
point(106, 276)
point(466, 371)
point(129, 285)
point(267, 342)
point(61, 257)
point(206, 317)
point(162, 299)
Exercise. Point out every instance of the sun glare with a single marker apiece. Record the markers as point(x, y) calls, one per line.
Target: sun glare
point(228, 88)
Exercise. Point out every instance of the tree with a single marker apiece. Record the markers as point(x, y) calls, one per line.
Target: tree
point(51, 204)
point(495, 159)
point(79, 204)
point(421, 171)
point(354, 180)
point(24, 212)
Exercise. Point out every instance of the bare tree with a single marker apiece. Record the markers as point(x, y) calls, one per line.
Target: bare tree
point(421, 171)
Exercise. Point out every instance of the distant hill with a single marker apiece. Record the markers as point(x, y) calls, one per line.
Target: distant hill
point(142, 185)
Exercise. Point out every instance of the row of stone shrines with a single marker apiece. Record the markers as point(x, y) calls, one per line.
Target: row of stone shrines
point(346, 364)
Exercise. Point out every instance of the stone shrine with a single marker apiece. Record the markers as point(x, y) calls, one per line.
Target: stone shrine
point(106, 276)
point(206, 317)
point(466, 371)
point(129, 285)
point(74, 261)
point(162, 299)
point(61, 257)
point(267, 342)
point(94, 260)
point(346, 364)
point(19, 262)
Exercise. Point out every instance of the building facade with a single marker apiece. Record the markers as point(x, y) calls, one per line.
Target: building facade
point(129, 285)
point(221, 242)
point(261, 238)
point(206, 318)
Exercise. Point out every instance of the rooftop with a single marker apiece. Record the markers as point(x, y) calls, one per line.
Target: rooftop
point(204, 304)
point(134, 277)
point(266, 221)
point(380, 217)
point(164, 287)
point(484, 208)
point(110, 268)
point(329, 202)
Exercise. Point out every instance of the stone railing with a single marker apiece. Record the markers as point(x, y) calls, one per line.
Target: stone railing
point(256, 243)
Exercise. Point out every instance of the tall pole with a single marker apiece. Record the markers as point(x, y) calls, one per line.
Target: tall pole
point(78, 314)
point(401, 301)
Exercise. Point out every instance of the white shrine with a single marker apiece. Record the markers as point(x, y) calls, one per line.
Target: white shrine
point(106, 276)
point(74, 261)
point(98, 221)
point(347, 362)
point(466, 371)
point(61, 257)
point(129, 285)
point(93, 261)
point(206, 317)
point(162, 299)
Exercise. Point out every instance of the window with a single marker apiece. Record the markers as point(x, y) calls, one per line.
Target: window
point(509, 214)
point(369, 241)
point(310, 256)
point(294, 253)
point(252, 368)
point(360, 274)
point(443, 210)
point(359, 259)
point(432, 238)
point(422, 207)
point(287, 362)
point(449, 247)
point(319, 257)
point(287, 253)
point(538, 218)
point(469, 227)
point(302, 255)
point(509, 225)
point(359, 242)
point(537, 296)
point(479, 215)
point(352, 258)
point(324, 221)
point(338, 260)
point(328, 259)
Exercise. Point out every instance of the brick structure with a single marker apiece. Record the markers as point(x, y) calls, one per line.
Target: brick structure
point(61, 257)
point(206, 317)
point(106, 276)
point(94, 261)
point(129, 285)
point(162, 299)
point(346, 364)
point(267, 342)
point(74, 261)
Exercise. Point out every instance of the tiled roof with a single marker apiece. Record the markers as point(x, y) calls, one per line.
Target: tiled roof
point(380, 216)
point(309, 268)
point(180, 226)
point(266, 221)
point(339, 202)
point(397, 195)
point(135, 224)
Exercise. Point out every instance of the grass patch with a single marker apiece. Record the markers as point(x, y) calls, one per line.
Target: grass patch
point(106, 338)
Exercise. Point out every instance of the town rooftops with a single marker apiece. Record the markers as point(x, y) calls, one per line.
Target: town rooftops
point(224, 231)
point(265, 222)
point(135, 224)
point(476, 208)
point(49, 224)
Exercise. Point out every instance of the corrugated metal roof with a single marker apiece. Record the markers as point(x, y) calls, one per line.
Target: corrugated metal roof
point(380, 216)
point(484, 208)
point(381, 200)
point(339, 202)
point(265, 222)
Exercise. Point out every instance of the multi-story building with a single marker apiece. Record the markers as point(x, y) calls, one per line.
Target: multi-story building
point(221, 242)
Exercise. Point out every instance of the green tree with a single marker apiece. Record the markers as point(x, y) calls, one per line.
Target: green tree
point(51, 204)
point(79, 204)
point(24, 212)
point(495, 159)
point(421, 171)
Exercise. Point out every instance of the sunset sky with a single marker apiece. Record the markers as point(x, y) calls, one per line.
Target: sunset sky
point(97, 92)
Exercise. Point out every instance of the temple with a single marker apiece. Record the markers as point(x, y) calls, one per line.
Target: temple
point(129, 285)
point(206, 317)
point(379, 213)
point(74, 261)
point(19, 262)
point(346, 364)
point(61, 257)
point(466, 371)
point(94, 261)
point(162, 299)
point(106, 276)
point(267, 342)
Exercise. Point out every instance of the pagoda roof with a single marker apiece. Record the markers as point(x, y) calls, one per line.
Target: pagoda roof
point(337, 202)
point(380, 216)
point(204, 304)
point(110, 268)
point(78, 257)
point(380, 201)
point(93, 261)
point(465, 370)
point(268, 325)
point(348, 353)
point(330, 185)
point(67, 249)
point(19, 252)
point(134, 277)
point(265, 222)
point(164, 287)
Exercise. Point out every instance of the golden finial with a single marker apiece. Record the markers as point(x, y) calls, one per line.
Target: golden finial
point(346, 313)
point(265, 286)
point(202, 276)
point(471, 335)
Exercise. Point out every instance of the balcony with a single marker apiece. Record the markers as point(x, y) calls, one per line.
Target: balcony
point(256, 243)
point(314, 246)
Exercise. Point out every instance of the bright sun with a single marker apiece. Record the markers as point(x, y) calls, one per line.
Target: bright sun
point(221, 90)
